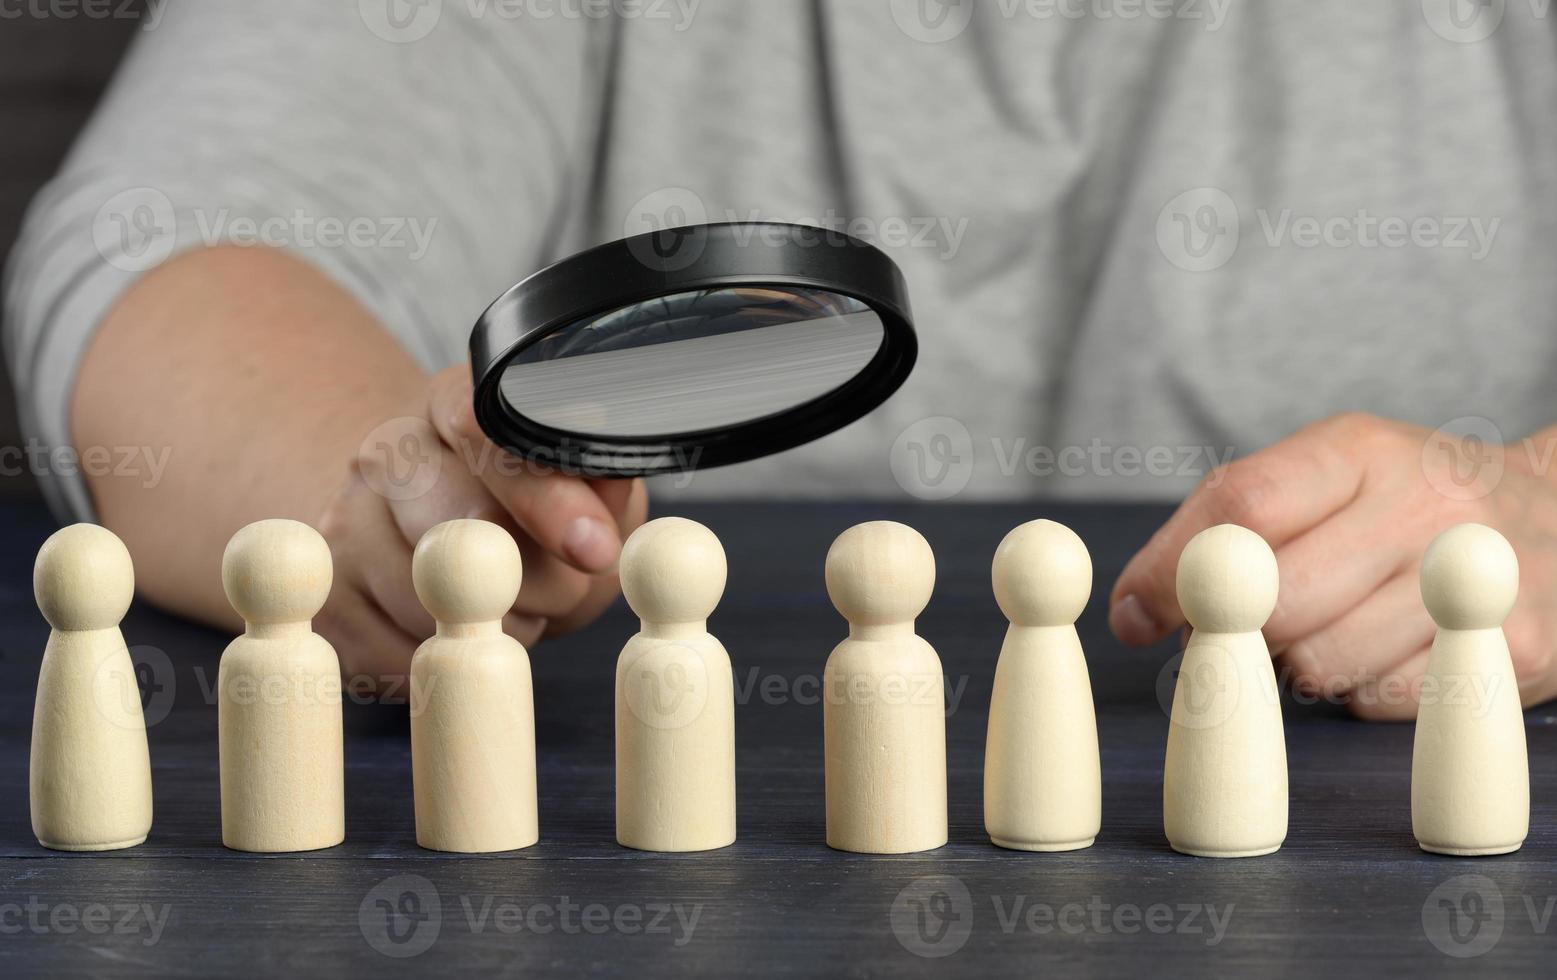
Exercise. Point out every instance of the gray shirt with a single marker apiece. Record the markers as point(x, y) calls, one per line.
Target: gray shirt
point(1138, 234)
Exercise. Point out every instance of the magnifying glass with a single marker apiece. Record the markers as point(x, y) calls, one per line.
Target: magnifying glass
point(691, 347)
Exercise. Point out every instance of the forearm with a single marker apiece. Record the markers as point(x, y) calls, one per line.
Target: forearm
point(259, 378)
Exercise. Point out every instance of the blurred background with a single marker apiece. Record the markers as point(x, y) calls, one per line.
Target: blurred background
point(52, 71)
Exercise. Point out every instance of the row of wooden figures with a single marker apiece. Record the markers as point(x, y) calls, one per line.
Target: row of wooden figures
point(472, 717)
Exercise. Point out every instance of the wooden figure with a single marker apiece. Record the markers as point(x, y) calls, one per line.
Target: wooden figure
point(675, 697)
point(472, 706)
point(1224, 784)
point(279, 696)
point(89, 776)
point(883, 704)
point(1470, 769)
point(1043, 785)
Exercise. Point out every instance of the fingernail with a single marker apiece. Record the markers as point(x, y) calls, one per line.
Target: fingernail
point(591, 545)
point(1131, 623)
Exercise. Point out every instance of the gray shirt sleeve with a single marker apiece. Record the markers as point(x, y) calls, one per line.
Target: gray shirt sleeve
point(422, 160)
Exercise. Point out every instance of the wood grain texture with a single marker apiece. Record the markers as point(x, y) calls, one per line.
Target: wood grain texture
point(1344, 897)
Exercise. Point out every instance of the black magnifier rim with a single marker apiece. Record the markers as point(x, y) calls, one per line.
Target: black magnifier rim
point(644, 267)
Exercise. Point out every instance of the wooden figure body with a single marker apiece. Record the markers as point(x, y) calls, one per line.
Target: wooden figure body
point(883, 697)
point(1470, 767)
point(1224, 785)
point(279, 696)
point(675, 696)
point(1043, 784)
point(89, 776)
point(472, 705)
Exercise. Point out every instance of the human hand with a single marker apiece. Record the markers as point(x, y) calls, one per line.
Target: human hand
point(433, 465)
point(1349, 505)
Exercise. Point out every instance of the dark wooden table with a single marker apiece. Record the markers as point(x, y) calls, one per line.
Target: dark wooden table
point(1349, 894)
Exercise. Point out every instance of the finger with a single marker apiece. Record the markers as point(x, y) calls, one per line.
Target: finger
point(1530, 648)
point(1364, 643)
point(454, 494)
point(1278, 493)
point(562, 513)
point(1335, 567)
point(375, 556)
point(1393, 695)
point(375, 654)
point(616, 495)
point(603, 591)
point(527, 629)
point(550, 586)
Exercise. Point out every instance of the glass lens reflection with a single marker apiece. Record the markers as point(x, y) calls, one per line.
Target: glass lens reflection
point(693, 361)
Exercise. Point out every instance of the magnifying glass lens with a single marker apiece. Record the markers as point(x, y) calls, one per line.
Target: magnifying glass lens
point(693, 361)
